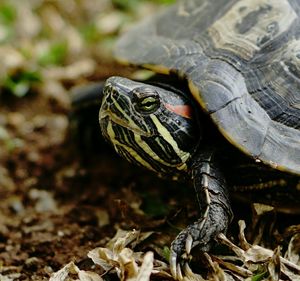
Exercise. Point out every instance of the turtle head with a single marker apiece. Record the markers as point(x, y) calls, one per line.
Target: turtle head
point(149, 125)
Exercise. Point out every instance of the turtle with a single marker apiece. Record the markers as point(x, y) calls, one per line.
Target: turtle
point(231, 65)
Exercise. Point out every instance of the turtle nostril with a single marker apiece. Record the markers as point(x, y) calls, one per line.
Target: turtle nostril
point(107, 88)
point(110, 91)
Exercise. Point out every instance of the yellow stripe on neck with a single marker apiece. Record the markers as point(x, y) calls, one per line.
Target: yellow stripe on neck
point(184, 156)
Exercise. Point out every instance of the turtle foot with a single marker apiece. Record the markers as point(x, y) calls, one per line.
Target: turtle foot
point(216, 214)
point(201, 233)
point(180, 255)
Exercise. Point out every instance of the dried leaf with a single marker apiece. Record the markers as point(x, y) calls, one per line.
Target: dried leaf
point(146, 267)
point(63, 273)
point(261, 209)
point(293, 252)
point(88, 276)
point(127, 265)
point(274, 266)
point(254, 255)
point(102, 257)
point(122, 239)
point(216, 273)
point(71, 268)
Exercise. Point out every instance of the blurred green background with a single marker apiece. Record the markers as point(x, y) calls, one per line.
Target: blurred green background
point(43, 43)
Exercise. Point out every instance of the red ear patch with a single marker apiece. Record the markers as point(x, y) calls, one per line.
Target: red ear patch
point(182, 110)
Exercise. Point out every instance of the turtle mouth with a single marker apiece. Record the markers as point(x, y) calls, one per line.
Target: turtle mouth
point(117, 109)
point(106, 116)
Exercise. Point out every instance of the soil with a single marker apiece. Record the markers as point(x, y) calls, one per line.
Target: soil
point(62, 197)
point(64, 193)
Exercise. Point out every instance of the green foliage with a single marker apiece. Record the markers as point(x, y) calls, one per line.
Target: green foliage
point(55, 54)
point(154, 206)
point(90, 33)
point(259, 276)
point(7, 14)
point(20, 83)
point(20, 78)
point(166, 253)
point(125, 4)
point(132, 4)
point(7, 18)
point(165, 1)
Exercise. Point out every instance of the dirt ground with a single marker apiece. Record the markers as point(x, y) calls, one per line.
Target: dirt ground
point(64, 193)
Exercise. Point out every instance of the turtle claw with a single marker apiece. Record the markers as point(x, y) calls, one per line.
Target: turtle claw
point(188, 244)
point(175, 267)
point(201, 233)
point(187, 270)
point(173, 264)
point(179, 269)
point(215, 217)
point(179, 260)
point(179, 273)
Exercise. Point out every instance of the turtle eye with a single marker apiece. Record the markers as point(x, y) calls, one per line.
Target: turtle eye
point(146, 102)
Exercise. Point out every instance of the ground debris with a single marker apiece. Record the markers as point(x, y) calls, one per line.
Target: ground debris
point(71, 269)
point(255, 258)
point(245, 263)
point(125, 262)
point(59, 208)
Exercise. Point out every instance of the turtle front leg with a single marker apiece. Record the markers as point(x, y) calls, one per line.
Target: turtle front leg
point(216, 214)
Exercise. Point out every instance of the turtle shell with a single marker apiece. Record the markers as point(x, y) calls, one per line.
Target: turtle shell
point(242, 62)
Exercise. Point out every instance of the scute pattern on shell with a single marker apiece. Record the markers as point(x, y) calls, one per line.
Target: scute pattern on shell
point(242, 61)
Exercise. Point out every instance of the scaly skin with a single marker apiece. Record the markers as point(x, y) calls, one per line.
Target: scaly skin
point(215, 208)
point(163, 134)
